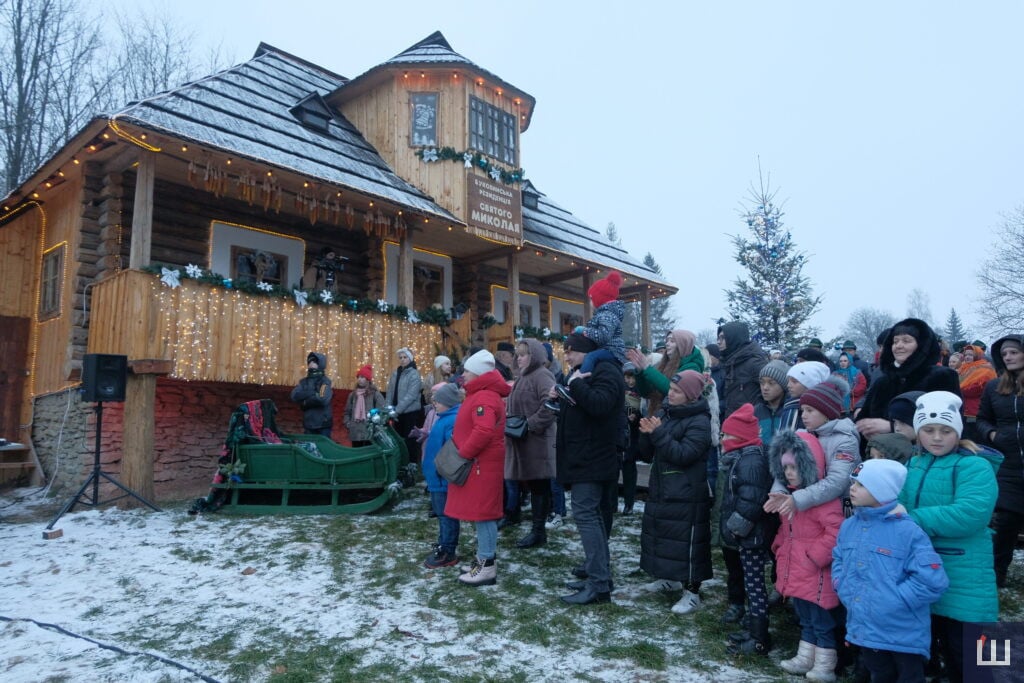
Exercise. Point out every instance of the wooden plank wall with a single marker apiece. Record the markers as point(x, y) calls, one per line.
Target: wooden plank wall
point(383, 115)
point(218, 334)
point(19, 263)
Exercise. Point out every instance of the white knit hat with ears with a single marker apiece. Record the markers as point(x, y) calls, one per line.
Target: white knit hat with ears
point(939, 408)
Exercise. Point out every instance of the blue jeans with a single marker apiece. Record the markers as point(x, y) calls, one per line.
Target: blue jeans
point(511, 504)
point(557, 498)
point(448, 528)
point(486, 540)
point(587, 497)
point(816, 624)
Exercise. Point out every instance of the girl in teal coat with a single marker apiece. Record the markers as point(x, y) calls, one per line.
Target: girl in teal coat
point(951, 492)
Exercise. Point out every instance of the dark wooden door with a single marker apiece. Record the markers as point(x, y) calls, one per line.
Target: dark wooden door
point(14, 338)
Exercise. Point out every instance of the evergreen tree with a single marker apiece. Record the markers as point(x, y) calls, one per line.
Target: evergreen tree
point(662, 320)
point(775, 298)
point(955, 331)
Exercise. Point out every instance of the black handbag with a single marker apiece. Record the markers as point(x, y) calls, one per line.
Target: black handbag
point(515, 426)
point(450, 465)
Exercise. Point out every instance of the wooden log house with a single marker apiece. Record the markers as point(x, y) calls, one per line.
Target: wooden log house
point(410, 171)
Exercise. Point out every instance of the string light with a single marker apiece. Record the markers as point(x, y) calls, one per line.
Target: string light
point(140, 141)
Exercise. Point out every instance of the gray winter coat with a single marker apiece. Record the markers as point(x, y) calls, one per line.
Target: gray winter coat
point(359, 431)
point(841, 442)
point(404, 389)
point(532, 457)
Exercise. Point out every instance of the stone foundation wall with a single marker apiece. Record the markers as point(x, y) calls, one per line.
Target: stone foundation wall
point(190, 425)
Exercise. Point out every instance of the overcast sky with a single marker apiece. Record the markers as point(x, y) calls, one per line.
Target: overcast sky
point(893, 131)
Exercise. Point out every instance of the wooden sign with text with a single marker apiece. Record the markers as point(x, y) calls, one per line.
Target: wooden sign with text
point(495, 211)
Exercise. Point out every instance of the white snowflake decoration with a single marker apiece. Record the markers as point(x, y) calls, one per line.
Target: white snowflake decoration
point(264, 286)
point(519, 333)
point(301, 297)
point(495, 173)
point(326, 296)
point(193, 271)
point(170, 277)
point(429, 155)
point(382, 305)
point(412, 317)
point(467, 159)
point(546, 332)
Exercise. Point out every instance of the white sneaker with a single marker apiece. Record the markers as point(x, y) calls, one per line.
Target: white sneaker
point(660, 586)
point(688, 603)
point(555, 521)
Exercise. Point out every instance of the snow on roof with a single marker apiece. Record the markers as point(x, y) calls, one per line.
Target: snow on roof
point(245, 110)
point(552, 227)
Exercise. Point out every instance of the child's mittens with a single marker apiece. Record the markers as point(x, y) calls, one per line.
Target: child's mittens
point(739, 525)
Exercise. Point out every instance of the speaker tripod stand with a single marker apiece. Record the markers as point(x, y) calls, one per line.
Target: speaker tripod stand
point(94, 481)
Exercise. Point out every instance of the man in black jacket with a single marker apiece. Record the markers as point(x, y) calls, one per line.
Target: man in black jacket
point(313, 394)
point(587, 443)
point(742, 360)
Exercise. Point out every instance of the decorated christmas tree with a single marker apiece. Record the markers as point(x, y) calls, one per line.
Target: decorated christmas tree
point(775, 298)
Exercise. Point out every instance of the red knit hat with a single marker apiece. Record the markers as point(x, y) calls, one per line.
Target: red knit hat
point(742, 425)
point(367, 372)
point(826, 398)
point(605, 290)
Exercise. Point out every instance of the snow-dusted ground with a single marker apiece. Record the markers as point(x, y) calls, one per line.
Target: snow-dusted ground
point(131, 595)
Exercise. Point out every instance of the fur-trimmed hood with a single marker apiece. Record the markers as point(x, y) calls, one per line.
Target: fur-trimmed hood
point(810, 458)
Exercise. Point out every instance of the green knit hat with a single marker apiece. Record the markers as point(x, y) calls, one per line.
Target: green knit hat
point(893, 446)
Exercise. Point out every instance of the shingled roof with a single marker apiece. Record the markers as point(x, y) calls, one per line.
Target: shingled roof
point(549, 226)
point(248, 110)
point(434, 50)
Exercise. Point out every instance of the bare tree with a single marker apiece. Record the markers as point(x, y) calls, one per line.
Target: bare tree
point(919, 306)
point(48, 82)
point(156, 55)
point(864, 325)
point(1001, 306)
point(707, 336)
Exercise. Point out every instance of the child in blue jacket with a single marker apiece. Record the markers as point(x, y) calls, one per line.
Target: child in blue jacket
point(446, 400)
point(887, 574)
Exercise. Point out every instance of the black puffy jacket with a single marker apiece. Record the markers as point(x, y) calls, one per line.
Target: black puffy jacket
point(919, 373)
point(742, 361)
point(675, 540)
point(744, 523)
point(1004, 415)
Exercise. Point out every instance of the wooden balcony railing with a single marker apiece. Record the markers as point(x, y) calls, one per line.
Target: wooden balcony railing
point(217, 334)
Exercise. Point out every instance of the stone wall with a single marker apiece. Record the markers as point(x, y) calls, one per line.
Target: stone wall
point(191, 423)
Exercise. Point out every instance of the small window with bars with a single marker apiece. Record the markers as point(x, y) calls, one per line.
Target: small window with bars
point(492, 131)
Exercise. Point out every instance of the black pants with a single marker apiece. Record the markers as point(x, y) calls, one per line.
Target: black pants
point(948, 641)
point(893, 667)
point(1007, 525)
point(628, 480)
point(737, 594)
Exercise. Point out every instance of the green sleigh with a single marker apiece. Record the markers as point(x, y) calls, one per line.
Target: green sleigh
point(262, 471)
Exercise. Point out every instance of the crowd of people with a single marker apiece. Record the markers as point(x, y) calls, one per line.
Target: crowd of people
point(879, 500)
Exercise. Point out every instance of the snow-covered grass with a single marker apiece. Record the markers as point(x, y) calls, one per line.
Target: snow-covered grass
point(144, 596)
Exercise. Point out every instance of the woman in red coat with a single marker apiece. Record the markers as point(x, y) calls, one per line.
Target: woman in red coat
point(479, 435)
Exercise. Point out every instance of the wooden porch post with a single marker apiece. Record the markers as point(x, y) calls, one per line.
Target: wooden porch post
point(645, 318)
point(513, 289)
point(588, 310)
point(139, 427)
point(405, 271)
point(142, 215)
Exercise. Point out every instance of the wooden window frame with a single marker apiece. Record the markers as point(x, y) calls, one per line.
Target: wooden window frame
point(423, 99)
point(492, 131)
point(51, 282)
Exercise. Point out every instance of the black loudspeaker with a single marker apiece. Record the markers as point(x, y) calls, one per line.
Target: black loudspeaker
point(104, 377)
